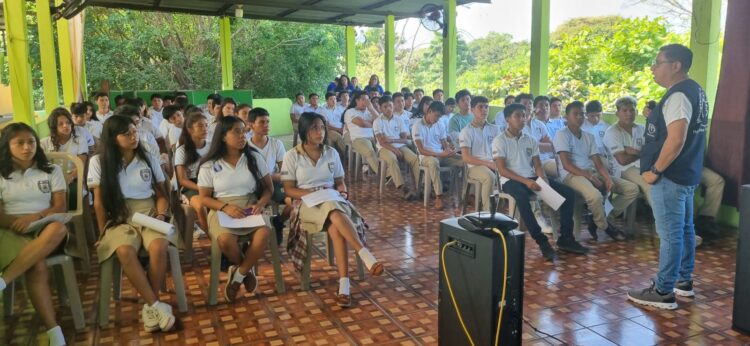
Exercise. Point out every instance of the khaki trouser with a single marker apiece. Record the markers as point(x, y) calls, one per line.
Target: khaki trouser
point(433, 168)
point(633, 175)
point(392, 168)
point(714, 184)
point(550, 168)
point(336, 140)
point(366, 148)
point(626, 192)
point(487, 178)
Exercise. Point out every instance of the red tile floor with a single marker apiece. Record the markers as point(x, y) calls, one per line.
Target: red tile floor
point(579, 300)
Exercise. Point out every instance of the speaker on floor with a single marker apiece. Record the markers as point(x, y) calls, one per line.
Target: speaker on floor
point(475, 265)
point(741, 313)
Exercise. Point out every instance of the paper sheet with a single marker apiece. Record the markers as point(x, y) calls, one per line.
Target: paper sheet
point(549, 195)
point(37, 225)
point(153, 223)
point(320, 196)
point(607, 204)
point(245, 222)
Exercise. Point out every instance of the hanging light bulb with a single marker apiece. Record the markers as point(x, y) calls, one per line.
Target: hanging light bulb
point(239, 12)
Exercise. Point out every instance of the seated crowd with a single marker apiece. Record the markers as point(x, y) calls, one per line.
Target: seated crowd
point(220, 161)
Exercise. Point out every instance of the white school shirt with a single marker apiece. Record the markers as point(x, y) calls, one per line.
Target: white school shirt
point(580, 149)
point(333, 116)
point(273, 152)
point(554, 125)
point(431, 135)
point(103, 118)
point(30, 191)
point(171, 133)
point(74, 146)
point(310, 108)
point(356, 131)
point(390, 128)
point(156, 116)
point(517, 152)
point(500, 120)
point(598, 132)
point(616, 139)
point(297, 110)
point(136, 179)
point(148, 141)
point(537, 130)
point(149, 126)
point(95, 127)
point(227, 180)
point(479, 140)
point(297, 166)
point(192, 170)
point(82, 132)
point(404, 116)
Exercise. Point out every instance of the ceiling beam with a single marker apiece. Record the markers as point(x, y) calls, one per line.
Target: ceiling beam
point(334, 9)
point(379, 4)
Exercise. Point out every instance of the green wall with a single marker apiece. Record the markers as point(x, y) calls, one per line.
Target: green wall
point(279, 109)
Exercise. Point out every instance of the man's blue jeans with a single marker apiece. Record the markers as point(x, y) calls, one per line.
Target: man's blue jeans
point(673, 212)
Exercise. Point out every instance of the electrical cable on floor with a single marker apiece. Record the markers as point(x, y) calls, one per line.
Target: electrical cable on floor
point(543, 333)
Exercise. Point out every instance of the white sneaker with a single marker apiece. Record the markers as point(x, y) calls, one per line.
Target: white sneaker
point(150, 319)
point(166, 319)
point(546, 228)
point(698, 240)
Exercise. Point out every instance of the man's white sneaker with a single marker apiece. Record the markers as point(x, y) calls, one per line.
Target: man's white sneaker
point(150, 319)
point(546, 228)
point(163, 311)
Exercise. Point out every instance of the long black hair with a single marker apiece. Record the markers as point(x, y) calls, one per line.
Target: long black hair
point(52, 123)
point(306, 121)
point(353, 102)
point(420, 108)
point(191, 151)
point(6, 160)
point(110, 162)
point(219, 149)
point(93, 110)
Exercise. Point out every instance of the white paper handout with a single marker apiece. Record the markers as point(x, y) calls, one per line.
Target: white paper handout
point(320, 196)
point(607, 204)
point(153, 223)
point(37, 225)
point(249, 221)
point(549, 195)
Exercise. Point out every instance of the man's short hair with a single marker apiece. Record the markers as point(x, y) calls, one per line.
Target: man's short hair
point(436, 107)
point(509, 109)
point(450, 102)
point(418, 90)
point(257, 112)
point(651, 104)
point(330, 94)
point(170, 111)
point(127, 111)
point(511, 97)
point(626, 100)
point(554, 99)
point(408, 95)
point(387, 93)
point(117, 98)
point(298, 94)
point(312, 94)
point(405, 90)
point(524, 96)
point(679, 53)
point(461, 93)
point(593, 106)
point(397, 94)
point(168, 98)
point(100, 94)
point(541, 98)
point(385, 99)
point(437, 91)
point(574, 104)
point(156, 96)
point(477, 100)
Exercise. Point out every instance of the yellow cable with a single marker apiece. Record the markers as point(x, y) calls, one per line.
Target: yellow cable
point(505, 281)
point(450, 290)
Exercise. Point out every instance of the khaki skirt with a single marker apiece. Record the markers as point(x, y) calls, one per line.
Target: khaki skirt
point(315, 219)
point(130, 234)
point(11, 244)
point(215, 229)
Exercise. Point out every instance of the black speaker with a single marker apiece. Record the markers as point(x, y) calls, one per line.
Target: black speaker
point(475, 264)
point(741, 313)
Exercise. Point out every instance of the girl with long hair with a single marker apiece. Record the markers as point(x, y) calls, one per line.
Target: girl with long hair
point(312, 166)
point(233, 179)
point(125, 180)
point(65, 137)
point(193, 145)
point(30, 189)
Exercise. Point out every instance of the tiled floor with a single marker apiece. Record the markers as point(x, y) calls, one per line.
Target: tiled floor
point(579, 299)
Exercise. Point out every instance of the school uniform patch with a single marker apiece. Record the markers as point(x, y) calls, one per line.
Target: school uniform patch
point(145, 174)
point(639, 141)
point(331, 165)
point(217, 168)
point(528, 151)
point(651, 129)
point(44, 186)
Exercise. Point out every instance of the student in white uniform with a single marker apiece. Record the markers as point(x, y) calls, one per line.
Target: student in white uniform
point(174, 119)
point(31, 188)
point(193, 145)
point(392, 139)
point(298, 107)
point(314, 105)
point(312, 166)
point(78, 112)
point(582, 169)
point(623, 141)
point(400, 112)
point(224, 109)
point(92, 122)
point(102, 103)
point(333, 112)
point(359, 122)
point(126, 179)
point(543, 113)
point(64, 138)
point(146, 137)
point(434, 150)
point(272, 150)
point(243, 111)
point(145, 124)
point(156, 109)
point(475, 141)
point(234, 179)
point(595, 125)
point(516, 156)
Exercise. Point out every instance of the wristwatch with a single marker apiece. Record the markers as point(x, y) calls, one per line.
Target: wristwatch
point(655, 171)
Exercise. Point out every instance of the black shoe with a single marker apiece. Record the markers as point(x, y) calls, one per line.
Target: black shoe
point(614, 232)
point(684, 289)
point(548, 252)
point(706, 227)
point(224, 263)
point(651, 297)
point(278, 225)
point(572, 246)
point(592, 227)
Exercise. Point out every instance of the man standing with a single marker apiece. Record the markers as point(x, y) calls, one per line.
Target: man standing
point(672, 161)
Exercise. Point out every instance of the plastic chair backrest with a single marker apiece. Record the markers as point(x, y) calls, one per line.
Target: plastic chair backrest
point(64, 160)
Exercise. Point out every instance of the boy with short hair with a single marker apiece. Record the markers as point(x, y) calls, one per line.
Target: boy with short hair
point(391, 134)
point(475, 141)
point(298, 107)
point(418, 94)
point(156, 109)
point(102, 102)
point(400, 112)
point(595, 125)
point(459, 120)
point(623, 141)
point(409, 104)
point(438, 95)
point(174, 120)
point(516, 157)
point(314, 106)
point(433, 148)
point(583, 170)
point(332, 112)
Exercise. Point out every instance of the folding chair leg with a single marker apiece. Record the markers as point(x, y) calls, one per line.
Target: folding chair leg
point(477, 200)
point(81, 244)
point(427, 187)
point(179, 283)
point(213, 285)
point(71, 287)
point(305, 279)
point(360, 268)
point(329, 250)
point(276, 262)
point(105, 290)
point(9, 295)
point(464, 196)
point(58, 276)
point(117, 279)
point(630, 218)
